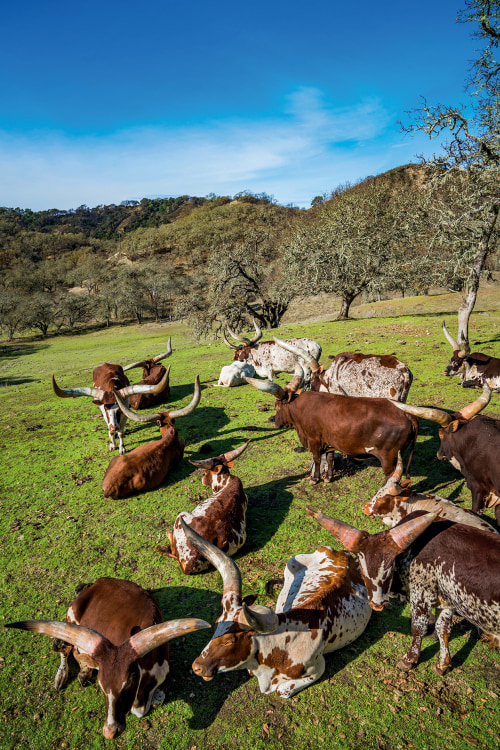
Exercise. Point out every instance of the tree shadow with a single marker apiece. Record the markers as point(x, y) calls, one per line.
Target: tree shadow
point(14, 351)
point(268, 506)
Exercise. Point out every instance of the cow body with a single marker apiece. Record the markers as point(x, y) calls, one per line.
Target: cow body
point(108, 378)
point(475, 370)
point(235, 374)
point(268, 357)
point(367, 375)
point(116, 627)
point(323, 606)
point(152, 373)
point(435, 564)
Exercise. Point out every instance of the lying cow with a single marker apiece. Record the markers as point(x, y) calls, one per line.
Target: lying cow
point(267, 357)
point(325, 422)
point(109, 379)
point(235, 374)
point(146, 466)
point(395, 501)
point(221, 519)
point(475, 369)
point(446, 565)
point(152, 373)
point(322, 607)
point(354, 374)
point(116, 627)
point(471, 443)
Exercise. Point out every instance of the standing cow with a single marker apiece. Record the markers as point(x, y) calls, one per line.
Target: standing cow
point(475, 369)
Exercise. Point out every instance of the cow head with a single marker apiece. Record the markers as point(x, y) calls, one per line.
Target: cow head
point(376, 552)
point(119, 672)
point(384, 502)
point(284, 396)
point(232, 646)
point(457, 364)
point(217, 469)
point(243, 351)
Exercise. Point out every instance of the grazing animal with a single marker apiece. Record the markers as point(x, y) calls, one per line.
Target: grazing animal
point(109, 379)
point(267, 357)
point(441, 564)
point(146, 466)
point(354, 374)
point(471, 443)
point(221, 519)
point(326, 422)
point(395, 501)
point(235, 373)
point(322, 607)
point(474, 369)
point(116, 627)
point(152, 373)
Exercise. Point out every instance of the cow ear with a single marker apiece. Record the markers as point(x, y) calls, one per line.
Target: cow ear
point(216, 469)
point(406, 483)
point(454, 425)
point(250, 599)
point(321, 369)
point(230, 464)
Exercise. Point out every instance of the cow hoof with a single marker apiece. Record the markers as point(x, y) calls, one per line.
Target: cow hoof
point(313, 480)
point(441, 670)
point(158, 698)
point(404, 665)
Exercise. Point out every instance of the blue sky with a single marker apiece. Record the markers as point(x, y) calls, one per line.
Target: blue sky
point(109, 101)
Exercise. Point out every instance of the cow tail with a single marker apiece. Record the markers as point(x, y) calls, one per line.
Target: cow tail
point(414, 424)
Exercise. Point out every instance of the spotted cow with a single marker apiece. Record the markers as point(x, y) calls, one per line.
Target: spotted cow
point(474, 369)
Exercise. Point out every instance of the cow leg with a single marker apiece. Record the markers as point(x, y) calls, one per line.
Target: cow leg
point(86, 664)
point(315, 473)
point(443, 630)
point(148, 694)
point(64, 649)
point(292, 686)
point(121, 430)
point(330, 461)
point(421, 609)
point(478, 499)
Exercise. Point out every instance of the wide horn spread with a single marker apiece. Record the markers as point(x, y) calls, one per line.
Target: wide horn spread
point(98, 393)
point(299, 351)
point(442, 417)
point(469, 411)
point(173, 414)
point(228, 569)
point(154, 360)
point(132, 390)
point(244, 339)
point(349, 536)
point(276, 390)
point(456, 347)
point(406, 533)
point(224, 458)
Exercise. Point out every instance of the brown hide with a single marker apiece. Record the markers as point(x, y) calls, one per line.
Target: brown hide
point(109, 377)
point(151, 375)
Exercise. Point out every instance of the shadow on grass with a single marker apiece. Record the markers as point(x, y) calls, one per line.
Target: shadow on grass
point(14, 351)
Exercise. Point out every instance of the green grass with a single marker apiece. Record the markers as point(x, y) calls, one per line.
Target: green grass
point(57, 530)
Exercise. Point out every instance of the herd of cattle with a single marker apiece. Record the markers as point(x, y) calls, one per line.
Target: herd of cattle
point(435, 555)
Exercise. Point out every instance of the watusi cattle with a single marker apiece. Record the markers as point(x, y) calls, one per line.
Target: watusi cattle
point(355, 374)
point(109, 379)
point(475, 369)
point(145, 467)
point(322, 607)
point(434, 564)
point(267, 357)
point(326, 422)
point(234, 374)
point(220, 519)
point(152, 373)
point(116, 627)
point(395, 500)
point(471, 443)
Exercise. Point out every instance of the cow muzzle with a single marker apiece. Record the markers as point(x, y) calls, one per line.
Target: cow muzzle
point(378, 607)
point(110, 732)
point(206, 673)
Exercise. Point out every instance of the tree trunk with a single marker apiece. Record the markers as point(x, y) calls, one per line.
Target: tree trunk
point(347, 299)
point(467, 306)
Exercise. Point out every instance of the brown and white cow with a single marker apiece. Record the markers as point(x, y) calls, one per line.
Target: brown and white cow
point(395, 500)
point(474, 369)
point(355, 374)
point(268, 358)
point(326, 422)
point(145, 467)
point(435, 564)
point(471, 443)
point(322, 607)
point(116, 627)
point(152, 373)
point(108, 379)
point(220, 519)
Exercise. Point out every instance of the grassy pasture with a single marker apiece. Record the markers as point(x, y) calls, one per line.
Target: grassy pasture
point(57, 530)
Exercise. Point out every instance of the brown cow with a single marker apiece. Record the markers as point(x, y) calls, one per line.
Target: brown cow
point(152, 373)
point(146, 466)
point(109, 379)
point(326, 422)
point(475, 369)
point(116, 627)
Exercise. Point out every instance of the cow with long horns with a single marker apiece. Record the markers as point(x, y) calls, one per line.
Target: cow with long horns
point(109, 379)
point(355, 374)
point(322, 607)
point(326, 422)
point(116, 627)
point(435, 564)
point(470, 441)
point(221, 519)
point(146, 466)
point(267, 357)
point(475, 369)
point(152, 373)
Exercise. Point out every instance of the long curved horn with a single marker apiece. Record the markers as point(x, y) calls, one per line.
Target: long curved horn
point(267, 386)
point(132, 414)
point(191, 406)
point(227, 343)
point(299, 352)
point(209, 463)
point(406, 533)
point(85, 639)
point(469, 411)
point(96, 393)
point(450, 338)
point(233, 455)
point(146, 640)
point(349, 536)
point(259, 618)
point(153, 360)
point(132, 390)
point(238, 338)
point(297, 380)
point(227, 568)
point(424, 412)
point(258, 333)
